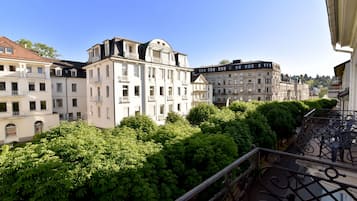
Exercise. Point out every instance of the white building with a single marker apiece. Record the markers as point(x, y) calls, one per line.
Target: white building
point(202, 91)
point(342, 21)
point(126, 77)
point(25, 93)
point(69, 89)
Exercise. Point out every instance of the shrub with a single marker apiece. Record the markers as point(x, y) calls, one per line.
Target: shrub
point(239, 106)
point(173, 117)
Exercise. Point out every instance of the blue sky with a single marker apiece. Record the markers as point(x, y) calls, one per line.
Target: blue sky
point(294, 34)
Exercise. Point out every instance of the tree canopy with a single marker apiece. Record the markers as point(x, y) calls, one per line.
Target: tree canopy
point(40, 48)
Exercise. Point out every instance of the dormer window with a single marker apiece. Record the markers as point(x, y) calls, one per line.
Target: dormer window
point(96, 52)
point(156, 54)
point(130, 49)
point(73, 73)
point(58, 72)
point(9, 50)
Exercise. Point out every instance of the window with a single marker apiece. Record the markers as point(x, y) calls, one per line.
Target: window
point(185, 91)
point(170, 91)
point(151, 73)
point(161, 91)
point(152, 91)
point(179, 107)
point(259, 81)
point(2, 49)
point(98, 73)
point(162, 72)
point(31, 86)
point(10, 129)
point(259, 98)
point(74, 87)
point(136, 71)
point(171, 107)
point(124, 69)
point(90, 92)
point(2, 86)
point(43, 105)
point(179, 91)
point(29, 69)
point(3, 107)
point(59, 102)
point(178, 75)
point(170, 74)
point(107, 91)
point(74, 102)
point(107, 70)
point(162, 109)
point(125, 90)
point(137, 90)
point(59, 87)
point(130, 49)
point(9, 50)
point(96, 52)
point(39, 70)
point(1, 67)
point(91, 73)
point(79, 115)
point(259, 90)
point(98, 91)
point(98, 110)
point(32, 105)
point(73, 73)
point(107, 111)
point(38, 127)
point(42, 87)
point(12, 68)
point(53, 103)
point(61, 116)
point(267, 89)
point(58, 72)
point(156, 54)
point(70, 116)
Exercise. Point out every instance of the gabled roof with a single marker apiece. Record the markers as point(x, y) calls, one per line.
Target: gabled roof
point(20, 52)
point(195, 78)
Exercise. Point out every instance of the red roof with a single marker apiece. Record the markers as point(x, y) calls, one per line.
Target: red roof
point(19, 52)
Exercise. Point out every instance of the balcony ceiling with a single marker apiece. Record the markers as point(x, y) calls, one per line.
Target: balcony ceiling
point(342, 16)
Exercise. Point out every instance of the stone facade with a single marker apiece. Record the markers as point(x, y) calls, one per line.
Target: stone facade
point(126, 77)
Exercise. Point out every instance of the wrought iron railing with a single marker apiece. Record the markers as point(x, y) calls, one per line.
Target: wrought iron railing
point(329, 134)
point(264, 174)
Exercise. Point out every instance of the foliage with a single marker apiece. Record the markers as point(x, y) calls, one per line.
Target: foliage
point(201, 113)
point(240, 106)
point(143, 124)
point(224, 61)
point(173, 117)
point(262, 134)
point(40, 48)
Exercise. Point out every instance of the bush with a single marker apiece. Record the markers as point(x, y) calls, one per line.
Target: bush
point(239, 106)
point(201, 113)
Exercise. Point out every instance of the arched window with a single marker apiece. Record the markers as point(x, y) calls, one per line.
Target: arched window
point(10, 130)
point(38, 127)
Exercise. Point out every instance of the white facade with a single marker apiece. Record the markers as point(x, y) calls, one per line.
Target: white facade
point(342, 21)
point(202, 91)
point(69, 96)
point(131, 78)
point(25, 94)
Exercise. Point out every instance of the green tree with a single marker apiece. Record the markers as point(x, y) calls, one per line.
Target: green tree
point(143, 124)
point(201, 113)
point(224, 61)
point(42, 49)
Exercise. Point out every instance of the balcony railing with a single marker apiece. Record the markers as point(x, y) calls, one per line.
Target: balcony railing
point(317, 167)
point(15, 113)
point(264, 174)
point(124, 99)
point(123, 79)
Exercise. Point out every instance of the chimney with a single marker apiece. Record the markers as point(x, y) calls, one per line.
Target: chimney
point(237, 61)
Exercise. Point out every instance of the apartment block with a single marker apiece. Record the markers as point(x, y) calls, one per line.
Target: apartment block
point(126, 77)
point(248, 81)
point(69, 96)
point(25, 93)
